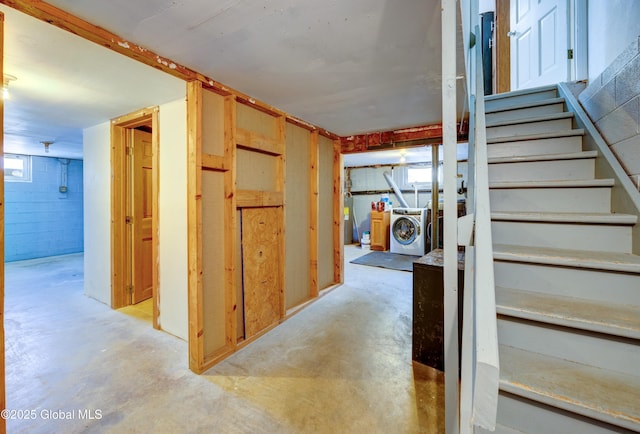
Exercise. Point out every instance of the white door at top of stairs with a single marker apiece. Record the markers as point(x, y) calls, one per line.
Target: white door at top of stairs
point(408, 231)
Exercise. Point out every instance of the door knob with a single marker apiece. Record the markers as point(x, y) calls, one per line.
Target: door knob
point(512, 34)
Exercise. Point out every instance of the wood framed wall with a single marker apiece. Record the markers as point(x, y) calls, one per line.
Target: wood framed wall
point(256, 182)
point(215, 328)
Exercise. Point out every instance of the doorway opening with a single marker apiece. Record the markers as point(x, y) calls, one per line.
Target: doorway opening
point(134, 210)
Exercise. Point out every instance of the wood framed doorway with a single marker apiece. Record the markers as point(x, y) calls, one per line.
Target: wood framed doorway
point(134, 209)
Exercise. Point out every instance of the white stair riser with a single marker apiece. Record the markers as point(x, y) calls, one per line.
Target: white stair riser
point(509, 115)
point(574, 345)
point(560, 145)
point(588, 200)
point(529, 128)
point(569, 282)
point(606, 238)
point(531, 417)
point(520, 99)
point(552, 170)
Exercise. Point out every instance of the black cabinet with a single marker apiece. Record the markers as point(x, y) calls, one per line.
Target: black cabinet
point(428, 308)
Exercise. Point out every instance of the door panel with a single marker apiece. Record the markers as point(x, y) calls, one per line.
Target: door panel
point(261, 238)
point(142, 267)
point(540, 40)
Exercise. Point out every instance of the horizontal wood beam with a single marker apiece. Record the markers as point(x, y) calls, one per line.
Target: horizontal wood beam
point(255, 198)
point(215, 162)
point(66, 21)
point(257, 142)
point(397, 138)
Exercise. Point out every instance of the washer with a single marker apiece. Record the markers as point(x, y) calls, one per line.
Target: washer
point(408, 231)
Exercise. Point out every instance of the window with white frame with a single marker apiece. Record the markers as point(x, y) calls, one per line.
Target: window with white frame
point(17, 168)
point(419, 175)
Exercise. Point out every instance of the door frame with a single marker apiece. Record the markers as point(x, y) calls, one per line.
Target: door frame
point(120, 254)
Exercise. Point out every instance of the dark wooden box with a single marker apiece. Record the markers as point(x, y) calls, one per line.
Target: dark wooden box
point(428, 308)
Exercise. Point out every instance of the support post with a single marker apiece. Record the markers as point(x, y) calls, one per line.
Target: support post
point(450, 235)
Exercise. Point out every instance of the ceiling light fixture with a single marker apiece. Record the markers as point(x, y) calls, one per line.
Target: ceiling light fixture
point(7, 78)
point(46, 144)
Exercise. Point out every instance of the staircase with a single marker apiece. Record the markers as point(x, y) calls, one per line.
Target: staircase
point(567, 282)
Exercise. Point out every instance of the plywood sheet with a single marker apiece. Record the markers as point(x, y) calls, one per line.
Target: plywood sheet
point(213, 236)
point(256, 171)
point(212, 123)
point(261, 267)
point(325, 214)
point(256, 121)
point(297, 216)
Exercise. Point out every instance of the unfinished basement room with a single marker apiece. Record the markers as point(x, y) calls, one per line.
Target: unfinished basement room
point(320, 217)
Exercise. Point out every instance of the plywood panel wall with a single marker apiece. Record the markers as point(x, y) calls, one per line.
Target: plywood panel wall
point(212, 123)
point(213, 237)
point(325, 213)
point(297, 216)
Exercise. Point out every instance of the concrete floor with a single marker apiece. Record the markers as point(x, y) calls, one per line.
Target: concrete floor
point(341, 365)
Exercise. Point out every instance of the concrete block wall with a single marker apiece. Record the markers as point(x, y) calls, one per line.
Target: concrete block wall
point(39, 220)
point(612, 101)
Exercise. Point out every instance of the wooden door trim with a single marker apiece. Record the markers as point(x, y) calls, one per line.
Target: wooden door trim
point(120, 256)
point(503, 47)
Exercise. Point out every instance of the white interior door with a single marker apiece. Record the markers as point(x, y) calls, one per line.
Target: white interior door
point(539, 43)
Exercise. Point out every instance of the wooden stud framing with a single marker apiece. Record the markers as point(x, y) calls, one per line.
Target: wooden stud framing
point(257, 198)
point(194, 225)
point(230, 140)
point(338, 217)
point(313, 213)
point(257, 142)
point(119, 190)
point(3, 404)
point(214, 162)
point(281, 139)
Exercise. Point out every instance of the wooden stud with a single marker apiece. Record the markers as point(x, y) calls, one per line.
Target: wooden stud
point(3, 404)
point(231, 303)
point(214, 162)
point(256, 198)
point(257, 142)
point(194, 225)
point(314, 181)
point(281, 174)
point(338, 217)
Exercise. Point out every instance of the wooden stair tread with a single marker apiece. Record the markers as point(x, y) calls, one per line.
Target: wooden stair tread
point(525, 105)
point(604, 395)
point(566, 217)
point(537, 136)
point(520, 92)
point(532, 119)
point(545, 157)
point(595, 316)
point(608, 261)
point(579, 183)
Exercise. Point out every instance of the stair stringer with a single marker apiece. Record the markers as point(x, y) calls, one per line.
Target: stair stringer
point(625, 197)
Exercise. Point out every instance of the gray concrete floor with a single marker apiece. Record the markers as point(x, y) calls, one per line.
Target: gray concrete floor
point(342, 365)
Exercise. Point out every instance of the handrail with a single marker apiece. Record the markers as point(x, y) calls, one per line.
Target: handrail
point(481, 367)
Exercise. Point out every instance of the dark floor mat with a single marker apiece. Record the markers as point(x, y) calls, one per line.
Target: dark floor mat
point(394, 261)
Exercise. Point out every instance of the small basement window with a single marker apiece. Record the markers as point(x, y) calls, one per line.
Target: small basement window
point(17, 168)
point(420, 176)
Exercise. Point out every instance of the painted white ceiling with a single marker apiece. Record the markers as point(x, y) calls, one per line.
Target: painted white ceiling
point(347, 66)
point(65, 84)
